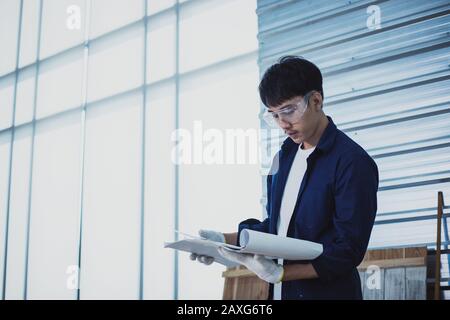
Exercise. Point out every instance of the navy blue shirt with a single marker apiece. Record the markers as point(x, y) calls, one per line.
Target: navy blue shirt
point(336, 206)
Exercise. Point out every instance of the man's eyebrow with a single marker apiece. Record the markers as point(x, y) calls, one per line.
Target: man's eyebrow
point(286, 106)
point(282, 108)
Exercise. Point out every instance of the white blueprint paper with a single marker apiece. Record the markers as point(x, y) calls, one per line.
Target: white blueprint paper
point(269, 245)
point(274, 246)
point(200, 246)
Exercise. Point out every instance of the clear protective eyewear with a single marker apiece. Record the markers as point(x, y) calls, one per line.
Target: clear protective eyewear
point(290, 113)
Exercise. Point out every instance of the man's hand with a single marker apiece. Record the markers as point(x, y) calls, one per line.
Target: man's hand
point(210, 235)
point(264, 268)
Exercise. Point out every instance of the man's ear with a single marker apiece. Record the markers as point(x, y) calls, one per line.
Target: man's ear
point(317, 101)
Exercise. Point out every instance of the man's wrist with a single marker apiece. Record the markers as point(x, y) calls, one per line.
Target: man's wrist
point(230, 238)
point(299, 272)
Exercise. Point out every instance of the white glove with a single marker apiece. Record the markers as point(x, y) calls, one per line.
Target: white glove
point(210, 235)
point(264, 268)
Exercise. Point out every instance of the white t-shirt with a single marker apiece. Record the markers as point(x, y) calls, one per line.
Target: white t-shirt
point(289, 199)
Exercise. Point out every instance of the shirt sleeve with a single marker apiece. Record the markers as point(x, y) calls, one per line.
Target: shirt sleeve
point(355, 197)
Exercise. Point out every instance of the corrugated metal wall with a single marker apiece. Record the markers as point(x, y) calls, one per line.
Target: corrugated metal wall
point(387, 86)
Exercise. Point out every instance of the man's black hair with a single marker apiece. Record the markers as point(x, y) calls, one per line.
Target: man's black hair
point(291, 76)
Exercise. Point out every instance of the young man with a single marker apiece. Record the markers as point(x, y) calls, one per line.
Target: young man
point(325, 190)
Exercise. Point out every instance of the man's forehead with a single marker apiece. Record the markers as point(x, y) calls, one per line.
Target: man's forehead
point(285, 103)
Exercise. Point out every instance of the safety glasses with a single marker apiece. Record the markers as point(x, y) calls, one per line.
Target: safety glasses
point(290, 113)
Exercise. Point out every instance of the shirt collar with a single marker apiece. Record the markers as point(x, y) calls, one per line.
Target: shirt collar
point(326, 141)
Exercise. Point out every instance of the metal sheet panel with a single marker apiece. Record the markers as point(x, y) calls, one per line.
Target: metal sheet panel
point(387, 86)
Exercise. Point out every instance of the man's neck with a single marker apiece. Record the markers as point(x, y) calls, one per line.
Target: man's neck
point(314, 140)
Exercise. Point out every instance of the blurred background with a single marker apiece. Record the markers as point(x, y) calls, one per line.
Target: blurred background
point(91, 92)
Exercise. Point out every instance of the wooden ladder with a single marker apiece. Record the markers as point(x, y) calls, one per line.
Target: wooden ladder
point(438, 289)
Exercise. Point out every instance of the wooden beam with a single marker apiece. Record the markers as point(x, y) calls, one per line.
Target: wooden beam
point(437, 276)
point(394, 263)
point(231, 273)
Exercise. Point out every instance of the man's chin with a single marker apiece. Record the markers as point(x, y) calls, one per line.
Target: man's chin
point(297, 139)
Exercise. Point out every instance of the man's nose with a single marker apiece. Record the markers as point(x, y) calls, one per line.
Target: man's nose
point(284, 124)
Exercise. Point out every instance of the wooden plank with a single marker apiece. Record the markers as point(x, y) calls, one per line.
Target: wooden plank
point(394, 284)
point(235, 287)
point(398, 253)
point(228, 289)
point(383, 254)
point(230, 273)
point(416, 252)
point(374, 285)
point(375, 255)
point(416, 278)
point(395, 253)
point(394, 263)
point(242, 284)
point(246, 288)
point(437, 272)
